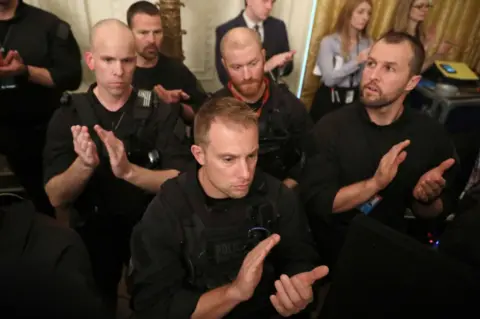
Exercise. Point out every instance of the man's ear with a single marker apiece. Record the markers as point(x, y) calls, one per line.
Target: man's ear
point(199, 154)
point(412, 83)
point(89, 60)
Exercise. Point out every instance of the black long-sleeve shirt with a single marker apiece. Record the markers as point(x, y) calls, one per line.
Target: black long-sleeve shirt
point(160, 289)
point(349, 148)
point(44, 41)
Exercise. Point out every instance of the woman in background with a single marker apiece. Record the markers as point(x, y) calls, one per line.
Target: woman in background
point(341, 57)
point(409, 17)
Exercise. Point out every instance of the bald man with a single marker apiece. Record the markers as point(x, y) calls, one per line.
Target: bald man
point(108, 150)
point(283, 119)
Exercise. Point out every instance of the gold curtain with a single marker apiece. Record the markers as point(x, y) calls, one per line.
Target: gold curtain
point(455, 20)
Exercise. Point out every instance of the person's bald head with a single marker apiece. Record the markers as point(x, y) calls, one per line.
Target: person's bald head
point(112, 56)
point(238, 39)
point(112, 30)
point(244, 60)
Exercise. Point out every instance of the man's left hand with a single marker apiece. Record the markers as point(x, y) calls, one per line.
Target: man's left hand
point(119, 162)
point(295, 293)
point(432, 183)
point(12, 65)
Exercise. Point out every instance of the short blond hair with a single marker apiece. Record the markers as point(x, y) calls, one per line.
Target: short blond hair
point(239, 38)
point(224, 109)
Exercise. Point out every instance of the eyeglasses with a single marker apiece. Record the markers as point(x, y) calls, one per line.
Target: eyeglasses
point(423, 6)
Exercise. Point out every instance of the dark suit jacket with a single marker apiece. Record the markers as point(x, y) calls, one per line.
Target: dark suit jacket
point(275, 42)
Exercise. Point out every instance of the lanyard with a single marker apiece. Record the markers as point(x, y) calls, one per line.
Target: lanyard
point(265, 97)
point(354, 74)
point(7, 36)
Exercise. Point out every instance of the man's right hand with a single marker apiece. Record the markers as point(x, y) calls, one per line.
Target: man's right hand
point(170, 96)
point(279, 60)
point(252, 268)
point(4, 61)
point(11, 65)
point(388, 167)
point(84, 146)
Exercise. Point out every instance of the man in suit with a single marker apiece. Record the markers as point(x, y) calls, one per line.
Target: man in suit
point(272, 32)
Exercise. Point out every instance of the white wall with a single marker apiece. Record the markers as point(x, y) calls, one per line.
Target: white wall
point(199, 19)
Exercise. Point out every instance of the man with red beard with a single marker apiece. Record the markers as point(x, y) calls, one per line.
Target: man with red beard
point(378, 157)
point(283, 119)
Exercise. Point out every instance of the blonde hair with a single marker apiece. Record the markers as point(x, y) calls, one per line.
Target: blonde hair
point(342, 26)
point(402, 16)
point(225, 109)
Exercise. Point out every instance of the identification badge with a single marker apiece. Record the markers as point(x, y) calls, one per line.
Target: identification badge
point(337, 62)
point(349, 96)
point(368, 206)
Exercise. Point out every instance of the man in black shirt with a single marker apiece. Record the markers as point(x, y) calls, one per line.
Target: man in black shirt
point(283, 120)
point(378, 157)
point(121, 139)
point(170, 78)
point(39, 59)
point(201, 249)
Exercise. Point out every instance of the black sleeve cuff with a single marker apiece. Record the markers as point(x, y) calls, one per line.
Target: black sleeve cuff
point(294, 268)
point(184, 304)
point(67, 78)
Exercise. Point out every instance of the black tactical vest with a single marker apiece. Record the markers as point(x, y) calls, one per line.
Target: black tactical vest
point(214, 256)
point(139, 144)
point(104, 193)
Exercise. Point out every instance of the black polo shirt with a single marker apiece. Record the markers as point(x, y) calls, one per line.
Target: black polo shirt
point(104, 190)
point(349, 147)
point(45, 41)
point(172, 74)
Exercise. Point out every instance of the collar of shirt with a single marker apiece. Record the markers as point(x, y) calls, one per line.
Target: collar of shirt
point(197, 193)
point(401, 120)
point(251, 25)
point(94, 99)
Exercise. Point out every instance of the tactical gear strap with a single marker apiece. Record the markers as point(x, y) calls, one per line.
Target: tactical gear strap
point(145, 104)
point(88, 118)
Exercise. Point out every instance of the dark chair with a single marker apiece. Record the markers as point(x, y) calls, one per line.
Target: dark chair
point(382, 273)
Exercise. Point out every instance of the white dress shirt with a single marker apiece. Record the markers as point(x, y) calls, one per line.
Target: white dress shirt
point(251, 25)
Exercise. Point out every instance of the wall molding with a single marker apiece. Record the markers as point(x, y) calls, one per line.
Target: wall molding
point(199, 20)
